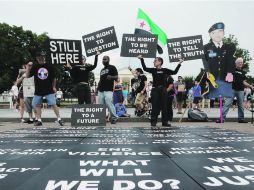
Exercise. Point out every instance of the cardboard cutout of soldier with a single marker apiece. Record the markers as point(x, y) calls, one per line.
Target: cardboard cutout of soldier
point(219, 62)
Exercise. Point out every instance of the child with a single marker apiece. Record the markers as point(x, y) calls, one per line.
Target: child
point(121, 109)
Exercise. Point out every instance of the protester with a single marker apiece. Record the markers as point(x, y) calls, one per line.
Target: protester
point(45, 85)
point(59, 96)
point(205, 97)
point(93, 97)
point(80, 75)
point(197, 95)
point(121, 110)
point(14, 92)
point(180, 93)
point(125, 96)
point(238, 85)
point(140, 90)
point(159, 91)
point(190, 97)
point(117, 91)
point(247, 98)
point(28, 93)
point(105, 87)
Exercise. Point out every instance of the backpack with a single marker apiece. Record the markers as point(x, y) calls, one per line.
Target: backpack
point(197, 115)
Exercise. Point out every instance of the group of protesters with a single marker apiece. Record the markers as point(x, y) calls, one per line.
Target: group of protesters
point(163, 89)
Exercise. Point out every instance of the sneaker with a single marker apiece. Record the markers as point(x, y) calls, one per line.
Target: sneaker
point(61, 122)
point(113, 121)
point(242, 121)
point(22, 120)
point(166, 124)
point(29, 121)
point(38, 123)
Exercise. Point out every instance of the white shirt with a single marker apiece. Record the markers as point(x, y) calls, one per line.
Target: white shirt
point(218, 44)
point(59, 94)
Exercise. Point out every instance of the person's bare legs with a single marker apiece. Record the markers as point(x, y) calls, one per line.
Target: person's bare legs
point(22, 108)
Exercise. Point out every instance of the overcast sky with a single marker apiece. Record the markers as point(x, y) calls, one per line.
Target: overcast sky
point(73, 19)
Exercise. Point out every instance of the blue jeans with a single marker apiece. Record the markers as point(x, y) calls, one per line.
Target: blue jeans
point(228, 102)
point(37, 100)
point(106, 97)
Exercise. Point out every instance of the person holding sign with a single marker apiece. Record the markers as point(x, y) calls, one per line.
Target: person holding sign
point(45, 85)
point(159, 91)
point(108, 75)
point(80, 75)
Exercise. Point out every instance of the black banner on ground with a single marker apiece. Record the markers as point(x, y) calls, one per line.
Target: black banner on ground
point(102, 41)
point(189, 48)
point(61, 51)
point(88, 115)
point(134, 45)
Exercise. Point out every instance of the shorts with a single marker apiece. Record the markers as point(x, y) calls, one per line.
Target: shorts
point(139, 98)
point(196, 100)
point(28, 104)
point(180, 96)
point(37, 100)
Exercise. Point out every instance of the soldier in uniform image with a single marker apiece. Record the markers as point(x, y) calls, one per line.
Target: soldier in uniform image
point(219, 62)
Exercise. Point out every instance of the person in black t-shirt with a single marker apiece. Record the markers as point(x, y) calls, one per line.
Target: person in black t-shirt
point(159, 90)
point(239, 82)
point(140, 89)
point(45, 85)
point(108, 75)
point(80, 75)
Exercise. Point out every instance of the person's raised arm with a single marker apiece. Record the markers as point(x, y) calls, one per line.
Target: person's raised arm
point(95, 62)
point(170, 72)
point(29, 70)
point(149, 70)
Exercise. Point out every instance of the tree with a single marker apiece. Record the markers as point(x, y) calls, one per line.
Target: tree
point(16, 47)
point(239, 51)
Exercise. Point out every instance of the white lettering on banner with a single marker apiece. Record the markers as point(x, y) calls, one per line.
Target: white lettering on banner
point(174, 44)
point(194, 53)
point(91, 121)
point(145, 184)
point(115, 153)
point(143, 51)
point(189, 42)
point(114, 163)
point(101, 47)
point(130, 39)
point(237, 181)
point(65, 185)
point(63, 58)
point(230, 160)
point(63, 46)
point(105, 33)
point(145, 39)
point(90, 38)
point(111, 172)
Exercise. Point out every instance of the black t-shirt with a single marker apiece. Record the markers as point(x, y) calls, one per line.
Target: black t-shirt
point(44, 76)
point(159, 75)
point(80, 73)
point(170, 81)
point(141, 83)
point(106, 84)
point(239, 77)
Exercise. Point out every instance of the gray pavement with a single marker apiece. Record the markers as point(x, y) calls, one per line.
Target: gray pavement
point(48, 114)
point(245, 128)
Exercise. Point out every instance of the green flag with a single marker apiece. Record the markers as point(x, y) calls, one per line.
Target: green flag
point(145, 25)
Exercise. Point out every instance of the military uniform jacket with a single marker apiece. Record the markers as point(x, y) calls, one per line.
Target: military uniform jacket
point(219, 61)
